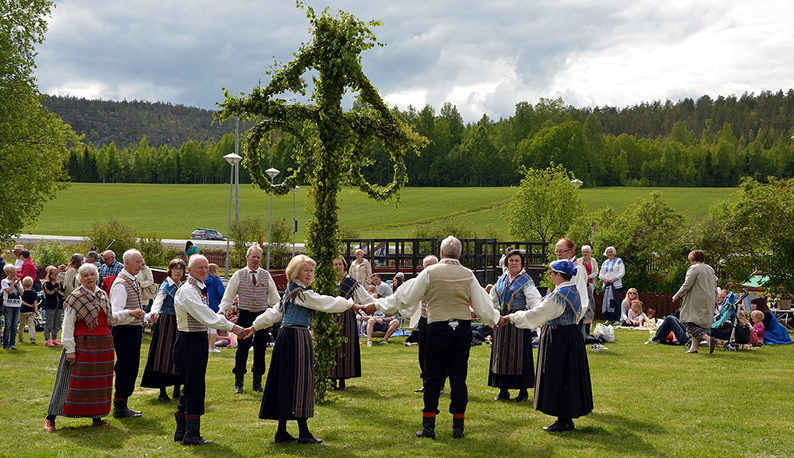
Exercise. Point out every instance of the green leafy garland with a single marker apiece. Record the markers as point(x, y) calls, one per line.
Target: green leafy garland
point(330, 144)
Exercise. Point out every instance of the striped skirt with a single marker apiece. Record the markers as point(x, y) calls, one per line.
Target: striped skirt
point(85, 388)
point(289, 391)
point(160, 368)
point(511, 358)
point(562, 382)
point(348, 354)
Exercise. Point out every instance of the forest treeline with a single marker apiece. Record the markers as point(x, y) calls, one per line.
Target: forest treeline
point(703, 142)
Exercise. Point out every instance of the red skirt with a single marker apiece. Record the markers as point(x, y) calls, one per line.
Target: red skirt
point(90, 390)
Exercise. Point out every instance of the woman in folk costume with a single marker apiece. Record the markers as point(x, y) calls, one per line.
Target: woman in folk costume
point(611, 275)
point(160, 371)
point(348, 354)
point(562, 382)
point(84, 382)
point(289, 391)
point(511, 353)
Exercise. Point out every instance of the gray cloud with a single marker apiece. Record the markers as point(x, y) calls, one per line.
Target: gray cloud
point(483, 57)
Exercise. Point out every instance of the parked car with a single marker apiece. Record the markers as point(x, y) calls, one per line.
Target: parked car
point(206, 234)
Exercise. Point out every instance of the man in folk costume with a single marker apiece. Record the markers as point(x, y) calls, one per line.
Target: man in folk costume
point(348, 354)
point(256, 292)
point(449, 288)
point(125, 294)
point(193, 316)
point(421, 326)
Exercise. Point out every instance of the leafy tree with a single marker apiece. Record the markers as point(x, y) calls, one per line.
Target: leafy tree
point(33, 141)
point(544, 205)
point(330, 143)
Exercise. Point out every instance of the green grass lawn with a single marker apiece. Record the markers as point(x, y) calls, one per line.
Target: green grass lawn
point(650, 400)
point(173, 211)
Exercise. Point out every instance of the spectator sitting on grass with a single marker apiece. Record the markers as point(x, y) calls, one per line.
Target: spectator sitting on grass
point(635, 317)
point(381, 288)
point(379, 322)
point(757, 318)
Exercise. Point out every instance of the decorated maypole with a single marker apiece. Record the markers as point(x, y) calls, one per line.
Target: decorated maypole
point(329, 141)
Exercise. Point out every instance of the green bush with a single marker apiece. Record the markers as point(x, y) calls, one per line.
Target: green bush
point(51, 254)
point(118, 237)
point(152, 250)
point(243, 234)
point(281, 246)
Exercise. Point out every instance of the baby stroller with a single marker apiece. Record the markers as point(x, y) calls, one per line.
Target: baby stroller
point(726, 325)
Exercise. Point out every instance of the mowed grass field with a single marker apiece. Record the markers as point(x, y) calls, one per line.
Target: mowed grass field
point(650, 400)
point(173, 211)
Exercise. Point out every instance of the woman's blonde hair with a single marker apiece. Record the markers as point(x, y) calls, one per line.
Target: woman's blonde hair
point(295, 266)
point(213, 269)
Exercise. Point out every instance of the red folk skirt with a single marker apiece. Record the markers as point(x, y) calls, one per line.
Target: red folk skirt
point(90, 389)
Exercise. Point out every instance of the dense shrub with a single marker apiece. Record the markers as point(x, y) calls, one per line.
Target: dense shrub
point(51, 254)
point(114, 235)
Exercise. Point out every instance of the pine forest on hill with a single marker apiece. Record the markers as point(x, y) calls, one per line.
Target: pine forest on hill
point(703, 142)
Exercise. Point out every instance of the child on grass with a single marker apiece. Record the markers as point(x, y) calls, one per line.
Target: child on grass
point(636, 317)
point(28, 310)
point(12, 290)
point(757, 318)
point(53, 298)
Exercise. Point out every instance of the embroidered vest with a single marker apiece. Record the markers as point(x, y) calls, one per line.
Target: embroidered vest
point(448, 294)
point(511, 293)
point(569, 297)
point(133, 295)
point(294, 314)
point(252, 298)
point(168, 301)
point(194, 325)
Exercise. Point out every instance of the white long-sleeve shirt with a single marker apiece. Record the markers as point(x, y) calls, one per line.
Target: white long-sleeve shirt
point(188, 302)
point(308, 299)
point(234, 283)
point(548, 310)
point(70, 318)
point(118, 293)
point(407, 298)
point(613, 269)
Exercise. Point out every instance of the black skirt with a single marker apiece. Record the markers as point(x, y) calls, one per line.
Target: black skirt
point(511, 359)
point(562, 383)
point(289, 391)
point(348, 354)
point(160, 368)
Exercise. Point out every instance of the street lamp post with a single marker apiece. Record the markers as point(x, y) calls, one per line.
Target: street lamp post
point(294, 221)
point(233, 160)
point(271, 172)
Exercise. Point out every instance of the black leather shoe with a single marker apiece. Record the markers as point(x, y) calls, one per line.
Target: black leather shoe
point(238, 389)
point(309, 439)
point(503, 395)
point(126, 413)
point(257, 387)
point(428, 428)
point(522, 396)
point(559, 426)
point(285, 437)
point(164, 398)
point(419, 390)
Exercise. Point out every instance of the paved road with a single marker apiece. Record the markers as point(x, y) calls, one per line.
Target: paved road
point(174, 243)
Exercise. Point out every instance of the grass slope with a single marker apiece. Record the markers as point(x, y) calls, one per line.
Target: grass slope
point(650, 400)
point(173, 211)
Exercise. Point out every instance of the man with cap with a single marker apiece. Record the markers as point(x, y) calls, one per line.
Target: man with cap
point(449, 288)
point(125, 294)
point(18, 253)
point(256, 292)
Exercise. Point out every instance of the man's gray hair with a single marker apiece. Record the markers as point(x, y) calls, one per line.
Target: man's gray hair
point(451, 247)
point(252, 248)
point(429, 260)
point(194, 258)
point(129, 254)
point(109, 252)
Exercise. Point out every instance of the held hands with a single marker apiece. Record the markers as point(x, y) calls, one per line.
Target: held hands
point(245, 332)
point(153, 317)
point(504, 320)
point(138, 313)
point(369, 309)
point(239, 331)
point(71, 358)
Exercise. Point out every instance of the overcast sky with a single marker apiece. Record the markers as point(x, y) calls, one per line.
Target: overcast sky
point(482, 56)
